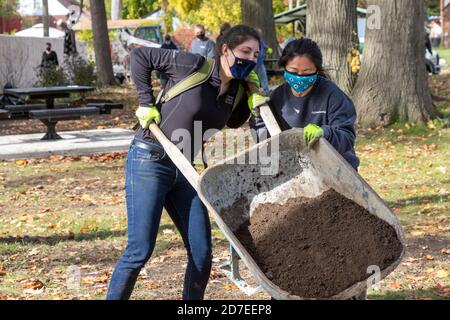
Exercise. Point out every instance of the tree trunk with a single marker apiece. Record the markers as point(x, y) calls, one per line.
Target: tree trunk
point(45, 18)
point(333, 25)
point(259, 14)
point(116, 9)
point(393, 82)
point(167, 26)
point(101, 43)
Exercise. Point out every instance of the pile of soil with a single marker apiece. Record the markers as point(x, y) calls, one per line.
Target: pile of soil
point(318, 247)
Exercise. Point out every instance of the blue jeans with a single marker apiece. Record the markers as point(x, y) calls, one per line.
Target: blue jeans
point(153, 182)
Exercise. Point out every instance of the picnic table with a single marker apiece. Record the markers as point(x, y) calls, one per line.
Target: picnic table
point(272, 68)
point(50, 113)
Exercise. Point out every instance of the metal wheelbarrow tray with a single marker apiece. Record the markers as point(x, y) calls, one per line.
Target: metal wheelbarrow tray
point(285, 168)
point(273, 171)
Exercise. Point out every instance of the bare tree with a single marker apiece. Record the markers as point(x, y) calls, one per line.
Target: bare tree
point(101, 43)
point(393, 82)
point(333, 25)
point(45, 17)
point(259, 14)
point(116, 9)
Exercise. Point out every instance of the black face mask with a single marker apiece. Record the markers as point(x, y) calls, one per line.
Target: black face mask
point(48, 49)
point(201, 36)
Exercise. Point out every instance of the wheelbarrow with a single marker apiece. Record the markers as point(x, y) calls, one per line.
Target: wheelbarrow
point(273, 171)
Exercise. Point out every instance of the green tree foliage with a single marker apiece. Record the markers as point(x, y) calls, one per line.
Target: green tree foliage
point(210, 13)
point(8, 7)
point(135, 9)
point(433, 7)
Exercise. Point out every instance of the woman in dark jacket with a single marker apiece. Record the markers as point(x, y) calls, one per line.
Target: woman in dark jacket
point(311, 101)
point(152, 180)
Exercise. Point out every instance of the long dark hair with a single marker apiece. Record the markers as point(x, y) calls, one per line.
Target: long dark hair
point(235, 36)
point(303, 47)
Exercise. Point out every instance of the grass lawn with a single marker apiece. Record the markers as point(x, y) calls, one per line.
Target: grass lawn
point(61, 212)
point(444, 53)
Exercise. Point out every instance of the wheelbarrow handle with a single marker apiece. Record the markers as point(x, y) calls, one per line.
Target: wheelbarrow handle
point(269, 120)
point(177, 157)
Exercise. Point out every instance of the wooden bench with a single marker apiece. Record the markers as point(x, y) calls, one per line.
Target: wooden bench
point(272, 68)
point(274, 72)
point(22, 111)
point(50, 117)
point(4, 114)
point(50, 113)
point(106, 107)
point(63, 114)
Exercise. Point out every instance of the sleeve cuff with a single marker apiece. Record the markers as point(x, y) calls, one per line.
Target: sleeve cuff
point(150, 100)
point(326, 132)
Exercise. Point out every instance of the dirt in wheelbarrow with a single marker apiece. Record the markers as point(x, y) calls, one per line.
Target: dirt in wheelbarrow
point(318, 247)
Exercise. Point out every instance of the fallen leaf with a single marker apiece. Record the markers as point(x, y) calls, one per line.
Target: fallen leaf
point(34, 291)
point(85, 229)
point(414, 278)
point(442, 274)
point(429, 271)
point(33, 252)
point(395, 285)
point(2, 271)
point(151, 285)
point(33, 285)
point(86, 197)
point(103, 278)
point(21, 162)
point(229, 286)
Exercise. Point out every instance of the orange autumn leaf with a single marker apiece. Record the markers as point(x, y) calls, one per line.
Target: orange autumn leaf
point(395, 285)
point(33, 284)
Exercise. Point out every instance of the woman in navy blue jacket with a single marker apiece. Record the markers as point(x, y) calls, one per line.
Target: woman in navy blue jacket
point(311, 101)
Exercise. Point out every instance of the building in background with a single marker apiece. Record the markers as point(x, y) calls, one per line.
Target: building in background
point(30, 14)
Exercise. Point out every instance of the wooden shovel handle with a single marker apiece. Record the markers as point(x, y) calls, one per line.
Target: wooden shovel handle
point(177, 157)
point(269, 120)
point(184, 165)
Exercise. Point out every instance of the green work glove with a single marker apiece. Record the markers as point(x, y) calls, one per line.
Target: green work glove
point(312, 134)
point(147, 114)
point(253, 78)
point(256, 100)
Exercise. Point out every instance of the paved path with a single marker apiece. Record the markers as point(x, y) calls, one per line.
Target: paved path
point(73, 143)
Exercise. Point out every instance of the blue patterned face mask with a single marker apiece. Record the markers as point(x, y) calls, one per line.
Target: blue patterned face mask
point(300, 83)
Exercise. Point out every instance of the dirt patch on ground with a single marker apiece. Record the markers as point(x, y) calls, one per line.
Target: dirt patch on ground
point(329, 240)
point(440, 87)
